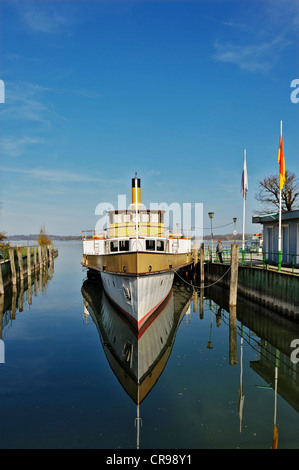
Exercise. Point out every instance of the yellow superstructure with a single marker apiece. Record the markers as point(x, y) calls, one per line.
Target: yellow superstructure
point(123, 223)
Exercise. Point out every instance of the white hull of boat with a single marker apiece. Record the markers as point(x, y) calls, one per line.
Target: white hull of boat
point(138, 296)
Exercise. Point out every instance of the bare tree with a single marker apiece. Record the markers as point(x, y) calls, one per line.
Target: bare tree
point(268, 193)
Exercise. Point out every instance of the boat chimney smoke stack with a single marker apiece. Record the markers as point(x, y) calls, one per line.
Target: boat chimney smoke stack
point(134, 181)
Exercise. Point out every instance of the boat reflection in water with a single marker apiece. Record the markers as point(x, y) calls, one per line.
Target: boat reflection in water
point(137, 358)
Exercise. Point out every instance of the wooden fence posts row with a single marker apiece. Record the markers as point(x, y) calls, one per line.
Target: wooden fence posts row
point(41, 255)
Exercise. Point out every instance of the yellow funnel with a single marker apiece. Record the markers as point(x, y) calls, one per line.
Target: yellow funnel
point(134, 181)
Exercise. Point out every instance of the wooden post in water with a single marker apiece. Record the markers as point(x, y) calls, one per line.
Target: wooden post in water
point(13, 266)
point(28, 261)
point(20, 262)
point(40, 256)
point(35, 257)
point(50, 248)
point(233, 289)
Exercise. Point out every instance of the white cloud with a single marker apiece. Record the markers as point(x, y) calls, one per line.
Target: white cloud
point(257, 57)
point(26, 101)
point(44, 17)
point(13, 147)
point(54, 175)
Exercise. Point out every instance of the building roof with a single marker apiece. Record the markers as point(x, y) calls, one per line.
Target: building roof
point(266, 218)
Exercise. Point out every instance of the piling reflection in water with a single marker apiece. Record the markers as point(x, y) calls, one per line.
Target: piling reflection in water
point(270, 335)
point(137, 358)
point(16, 296)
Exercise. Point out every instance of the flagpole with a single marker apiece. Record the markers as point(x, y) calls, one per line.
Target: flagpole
point(244, 198)
point(279, 223)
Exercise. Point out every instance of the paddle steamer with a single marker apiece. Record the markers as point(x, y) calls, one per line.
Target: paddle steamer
point(136, 257)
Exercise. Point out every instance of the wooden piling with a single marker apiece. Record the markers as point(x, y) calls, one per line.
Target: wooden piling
point(13, 266)
point(35, 257)
point(50, 252)
point(40, 260)
point(233, 290)
point(28, 261)
point(20, 263)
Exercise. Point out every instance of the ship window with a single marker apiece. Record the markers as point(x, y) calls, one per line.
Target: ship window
point(124, 245)
point(117, 218)
point(114, 246)
point(155, 218)
point(126, 217)
point(145, 217)
point(150, 244)
point(160, 245)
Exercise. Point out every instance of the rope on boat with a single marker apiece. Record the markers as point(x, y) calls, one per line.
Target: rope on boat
point(202, 287)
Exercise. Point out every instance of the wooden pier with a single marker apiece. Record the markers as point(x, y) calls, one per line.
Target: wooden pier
point(23, 261)
point(262, 283)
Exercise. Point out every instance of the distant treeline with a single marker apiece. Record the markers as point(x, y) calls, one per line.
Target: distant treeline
point(228, 236)
point(35, 237)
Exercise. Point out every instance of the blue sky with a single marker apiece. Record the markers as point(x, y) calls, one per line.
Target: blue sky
point(175, 90)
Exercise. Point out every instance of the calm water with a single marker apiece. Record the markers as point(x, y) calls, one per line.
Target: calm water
point(71, 377)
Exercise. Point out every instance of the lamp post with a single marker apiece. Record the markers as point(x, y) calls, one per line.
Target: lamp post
point(211, 215)
point(235, 232)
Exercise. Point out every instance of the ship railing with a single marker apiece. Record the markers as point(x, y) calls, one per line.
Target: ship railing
point(144, 230)
point(92, 235)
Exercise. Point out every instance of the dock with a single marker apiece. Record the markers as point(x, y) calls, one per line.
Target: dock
point(258, 279)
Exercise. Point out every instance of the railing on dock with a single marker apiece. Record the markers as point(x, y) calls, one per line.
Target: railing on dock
point(289, 261)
